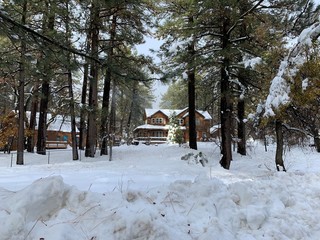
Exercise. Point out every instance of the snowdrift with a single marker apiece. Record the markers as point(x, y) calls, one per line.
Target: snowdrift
point(273, 206)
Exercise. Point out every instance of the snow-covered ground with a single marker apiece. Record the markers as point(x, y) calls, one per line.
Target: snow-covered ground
point(148, 192)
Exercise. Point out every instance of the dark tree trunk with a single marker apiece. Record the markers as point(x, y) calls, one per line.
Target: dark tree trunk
point(112, 127)
point(82, 127)
point(45, 88)
point(279, 150)
point(241, 128)
point(226, 99)
point(33, 121)
point(104, 113)
point(42, 125)
point(20, 147)
point(192, 111)
point(93, 89)
point(106, 90)
point(134, 95)
point(226, 118)
point(192, 94)
point(75, 155)
point(317, 143)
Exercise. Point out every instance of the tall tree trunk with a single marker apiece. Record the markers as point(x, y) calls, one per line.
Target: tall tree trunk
point(42, 122)
point(279, 150)
point(192, 111)
point(104, 113)
point(83, 109)
point(82, 127)
point(241, 128)
point(106, 89)
point(33, 120)
point(226, 118)
point(75, 155)
point(93, 84)
point(241, 103)
point(112, 127)
point(134, 95)
point(225, 101)
point(45, 87)
point(20, 147)
point(192, 94)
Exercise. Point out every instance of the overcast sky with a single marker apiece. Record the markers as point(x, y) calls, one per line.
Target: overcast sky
point(158, 87)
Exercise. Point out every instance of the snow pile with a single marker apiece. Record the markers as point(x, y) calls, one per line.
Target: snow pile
point(148, 192)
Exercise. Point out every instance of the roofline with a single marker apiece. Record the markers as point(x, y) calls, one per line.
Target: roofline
point(175, 110)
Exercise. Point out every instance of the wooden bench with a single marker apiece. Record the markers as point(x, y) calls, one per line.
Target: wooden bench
point(151, 140)
point(56, 145)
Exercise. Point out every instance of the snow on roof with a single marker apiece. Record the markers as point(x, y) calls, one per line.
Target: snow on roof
point(155, 127)
point(60, 123)
point(169, 112)
point(215, 128)
point(152, 127)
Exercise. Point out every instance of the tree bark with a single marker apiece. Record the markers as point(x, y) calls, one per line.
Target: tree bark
point(134, 96)
point(42, 125)
point(191, 94)
point(20, 147)
point(226, 117)
point(106, 90)
point(241, 128)
point(93, 84)
point(112, 127)
point(75, 155)
point(33, 120)
point(279, 150)
point(104, 113)
point(226, 99)
point(192, 111)
point(83, 112)
point(45, 88)
point(317, 143)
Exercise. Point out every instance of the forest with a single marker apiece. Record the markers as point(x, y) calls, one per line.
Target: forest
point(253, 64)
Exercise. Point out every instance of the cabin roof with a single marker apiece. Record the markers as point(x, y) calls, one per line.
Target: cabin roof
point(168, 112)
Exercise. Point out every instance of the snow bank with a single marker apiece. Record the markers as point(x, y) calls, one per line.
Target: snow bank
point(37, 202)
point(270, 207)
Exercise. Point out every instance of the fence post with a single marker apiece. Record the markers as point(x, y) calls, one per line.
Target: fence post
point(48, 157)
point(11, 159)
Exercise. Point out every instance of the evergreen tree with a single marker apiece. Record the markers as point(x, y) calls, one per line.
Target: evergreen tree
point(175, 133)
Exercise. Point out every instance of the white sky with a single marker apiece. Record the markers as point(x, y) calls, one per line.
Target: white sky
point(158, 87)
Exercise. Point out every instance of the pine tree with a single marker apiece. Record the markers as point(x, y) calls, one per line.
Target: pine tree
point(95, 26)
point(175, 133)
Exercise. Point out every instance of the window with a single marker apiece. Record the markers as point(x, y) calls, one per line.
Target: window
point(181, 121)
point(158, 134)
point(197, 122)
point(157, 120)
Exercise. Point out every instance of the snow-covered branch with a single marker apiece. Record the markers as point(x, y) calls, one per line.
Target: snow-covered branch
point(280, 86)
